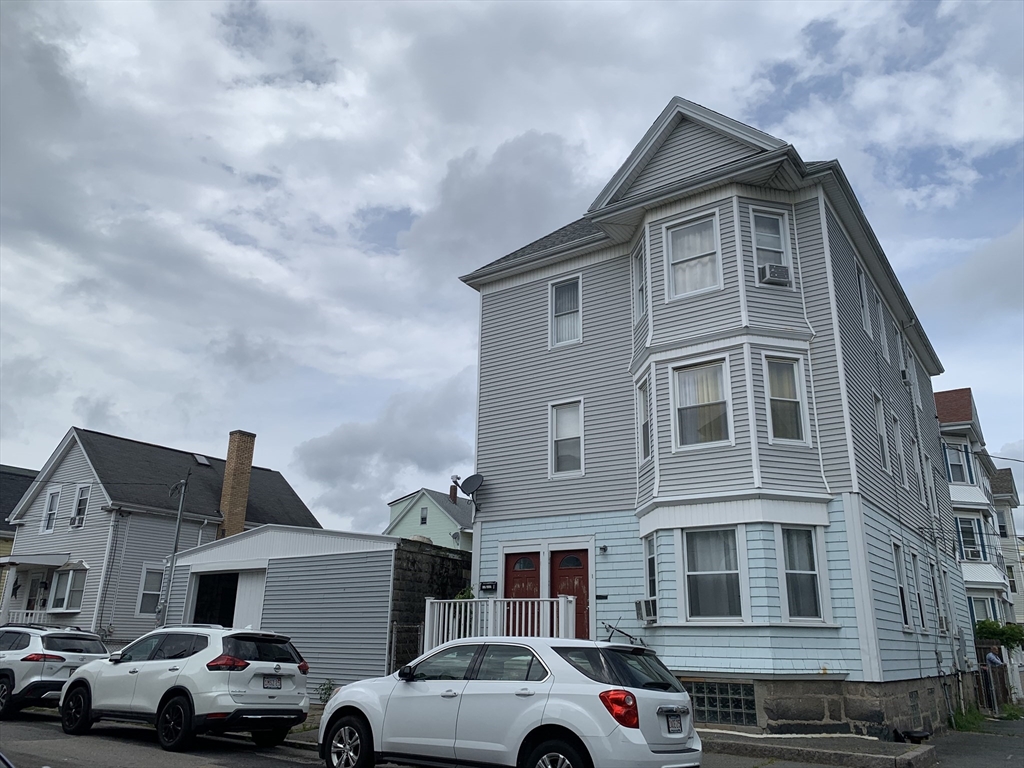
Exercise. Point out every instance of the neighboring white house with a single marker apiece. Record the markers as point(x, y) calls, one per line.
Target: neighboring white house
point(706, 413)
point(434, 516)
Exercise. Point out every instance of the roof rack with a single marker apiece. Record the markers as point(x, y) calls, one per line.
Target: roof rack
point(22, 625)
point(203, 626)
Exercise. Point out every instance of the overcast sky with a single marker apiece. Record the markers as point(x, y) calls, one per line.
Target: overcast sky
point(219, 216)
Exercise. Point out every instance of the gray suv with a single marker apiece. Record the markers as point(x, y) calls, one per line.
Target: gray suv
point(36, 661)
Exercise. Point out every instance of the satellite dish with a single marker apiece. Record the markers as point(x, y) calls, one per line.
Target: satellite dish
point(472, 484)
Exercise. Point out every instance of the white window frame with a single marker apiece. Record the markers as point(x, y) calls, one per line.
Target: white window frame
point(977, 531)
point(821, 574)
point(915, 456)
point(805, 419)
point(960, 450)
point(723, 360)
point(49, 521)
point(915, 382)
point(787, 257)
point(1012, 578)
point(883, 336)
point(865, 305)
point(899, 453)
point(915, 568)
point(643, 390)
point(651, 566)
point(638, 267)
point(552, 474)
point(147, 567)
point(740, 532)
point(882, 433)
point(940, 611)
point(666, 228)
point(901, 351)
point(578, 279)
point(424, 512)
point(900, 567)
point(79, 498)
point(66, 594)
point(929, 480)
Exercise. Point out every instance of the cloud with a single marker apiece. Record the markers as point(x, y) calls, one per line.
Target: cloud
point(98, 413)
point(23, 380)
point(419, 436)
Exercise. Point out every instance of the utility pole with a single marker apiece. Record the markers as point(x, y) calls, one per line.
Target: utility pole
point(174, 552)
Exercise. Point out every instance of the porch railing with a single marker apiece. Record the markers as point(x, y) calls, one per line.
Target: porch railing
point(30, 617)
point(498, 616)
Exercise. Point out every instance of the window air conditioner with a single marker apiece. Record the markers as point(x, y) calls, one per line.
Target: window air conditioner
point(972, 554)
point(76, 522)
point(647, 610)
point(773, 274)
point(905, 375)
point(943, 624)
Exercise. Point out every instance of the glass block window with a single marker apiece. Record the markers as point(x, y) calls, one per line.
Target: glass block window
point(725, 703)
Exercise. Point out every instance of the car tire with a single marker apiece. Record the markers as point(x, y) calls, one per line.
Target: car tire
point(75, 715)
point(555, 754)
point(272, 738)
point(174, 724)
point(349, 744)
point(7, 707)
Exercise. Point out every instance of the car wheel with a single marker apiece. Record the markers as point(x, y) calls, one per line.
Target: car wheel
point(270, 738)
point(349, 744)
point(174, 724)
point(555, 754)
point(6, 707)
point(75, 717)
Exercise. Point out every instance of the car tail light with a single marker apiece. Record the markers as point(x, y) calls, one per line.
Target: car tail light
point(225, 663)
point(622, 706)
point(303, 667)
point(43, 657)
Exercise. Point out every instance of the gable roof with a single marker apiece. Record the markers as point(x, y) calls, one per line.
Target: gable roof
point(461, 512)
point(140, 475)
point(14, 481)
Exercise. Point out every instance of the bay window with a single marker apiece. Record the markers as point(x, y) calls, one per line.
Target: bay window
point(693, 257)
point(67, 591)
point(801, 566)
point(702, 409)
point(786, 412)
point(712, 574)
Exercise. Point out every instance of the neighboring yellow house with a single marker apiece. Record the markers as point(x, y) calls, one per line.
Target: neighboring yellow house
point(14, 481)
point(433, 515)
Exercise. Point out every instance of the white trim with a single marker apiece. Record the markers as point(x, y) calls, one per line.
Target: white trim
point(867, 625)
point(638, 252)
point(50, 493)
point(582, 471)
point(863, 297)
point(552, 285)
point(52, 592)
point(684, 347)
point(147, 567)
point(820, 572)
point(227, 566)
point(784, 233)
point(741, 263)
point(897, 437)
point(742, 577)
point(915, 566)
point(883, 335)
point(677, 445)
point(801, 379)
point(878, 410)
point(844, 395)
point(899, 562)
point(74, 507)
point(755, 438)
point(650, 283)
point(735, 512)
point(655, 432)
point(645, 385)
point(666, 254)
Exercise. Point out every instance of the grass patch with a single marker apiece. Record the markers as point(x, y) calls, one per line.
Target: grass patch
point(971, 720)
point(1011, 712)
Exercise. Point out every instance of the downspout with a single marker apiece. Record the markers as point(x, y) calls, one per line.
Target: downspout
point(120, 570)
point(101, 593)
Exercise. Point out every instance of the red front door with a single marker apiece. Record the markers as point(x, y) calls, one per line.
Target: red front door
point(569, 577)
point(522, 580)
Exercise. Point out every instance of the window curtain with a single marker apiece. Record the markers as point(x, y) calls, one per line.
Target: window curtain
point(712, 594)
point(702, 409)
point(801, 576)
point(694, 259)
point(567, 312)
point(567, 438)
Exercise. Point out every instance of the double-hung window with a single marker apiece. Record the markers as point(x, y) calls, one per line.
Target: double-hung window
point(68, 588)
point(566, 326)
point(956, 462)
point(693, 257)
point(802, 595)
point(901, 582)
point(702, 407)
point(423, 515)
point(899, 459)
point(883, 440)
point(883, 336)
point(915, 460)
point(149, 589)
point(865, 308)
point(81, 505)
point(643, 417)
point(769, 241)
point(712, 574)
point(786, 409)
point(971, 543)
point(567, 438)
point(915, 574)
point(639, 284)
point(50, 510)
point(1012, 578)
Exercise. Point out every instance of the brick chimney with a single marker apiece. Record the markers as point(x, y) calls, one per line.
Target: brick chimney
point(234, 494)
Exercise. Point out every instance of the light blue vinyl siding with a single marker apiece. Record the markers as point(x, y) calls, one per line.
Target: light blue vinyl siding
point(763, 574)
point(668, 592)
point(689, 150)
point(514, 397)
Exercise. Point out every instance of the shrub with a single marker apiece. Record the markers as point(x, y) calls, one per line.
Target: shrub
point(325, 689)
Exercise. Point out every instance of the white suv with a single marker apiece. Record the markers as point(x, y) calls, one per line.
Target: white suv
point(36, 661)
point(194, 679)
point(527, 702)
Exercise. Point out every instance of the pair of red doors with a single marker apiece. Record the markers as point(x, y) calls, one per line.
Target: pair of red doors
point(568, 577)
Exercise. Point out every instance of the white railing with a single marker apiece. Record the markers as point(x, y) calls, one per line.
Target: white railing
point(29, 617)
point(498, 616)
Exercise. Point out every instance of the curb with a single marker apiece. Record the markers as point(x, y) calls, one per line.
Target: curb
point(312, 746)
point(919, 757)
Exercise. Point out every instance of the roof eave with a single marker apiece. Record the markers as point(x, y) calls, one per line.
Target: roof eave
point(485, 275)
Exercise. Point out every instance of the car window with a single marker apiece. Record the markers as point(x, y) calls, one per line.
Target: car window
point(73, 644)
point(641, 668)
point(201, 642)
point(589, 661)
point(510, 662)
point(141, 650)
point(6, 638)
point(451, 664)
point(249, 648)
point(175, 646)
point(20, 641)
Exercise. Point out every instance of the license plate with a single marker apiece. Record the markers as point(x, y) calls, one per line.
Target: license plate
point(271, 681)
point(71, 670)
point(675, 724)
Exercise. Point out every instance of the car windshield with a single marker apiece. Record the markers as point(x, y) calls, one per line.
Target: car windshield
point(74, 644)
point(628, 667)
point(250, 648)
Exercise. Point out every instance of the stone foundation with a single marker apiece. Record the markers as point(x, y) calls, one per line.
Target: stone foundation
point(841, 707)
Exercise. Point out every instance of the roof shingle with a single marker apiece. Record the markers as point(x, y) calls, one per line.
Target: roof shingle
point(14, 481)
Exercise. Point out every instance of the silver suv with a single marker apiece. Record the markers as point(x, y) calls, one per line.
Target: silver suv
point(36, 661)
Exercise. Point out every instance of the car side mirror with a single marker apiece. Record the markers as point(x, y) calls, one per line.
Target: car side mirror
point(115, 657)
point(405, 673)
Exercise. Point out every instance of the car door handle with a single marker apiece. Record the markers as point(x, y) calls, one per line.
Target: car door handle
point(133, 671)
point(449, 694)
point(524, 692)
point(173, 669)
